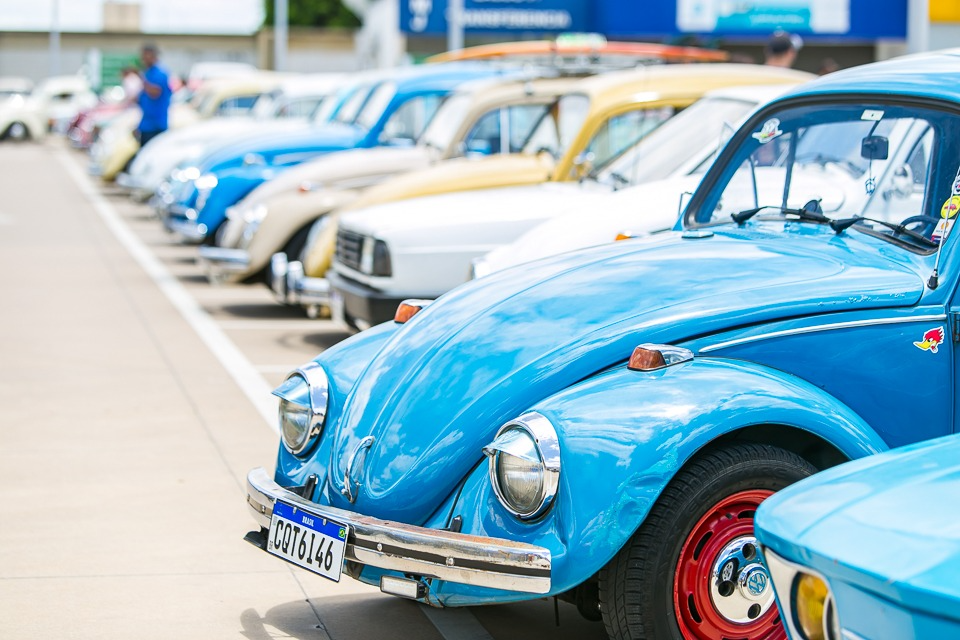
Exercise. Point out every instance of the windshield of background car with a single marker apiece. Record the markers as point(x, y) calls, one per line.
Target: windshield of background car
point(558, 126)
point(375, 105)
point(699, 130)
point(266, 105)
point(856, 159)
point(348, 112)
point(407, 122)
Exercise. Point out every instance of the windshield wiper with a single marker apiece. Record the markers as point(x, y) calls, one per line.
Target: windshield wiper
point(845, 223)
point(810, 212)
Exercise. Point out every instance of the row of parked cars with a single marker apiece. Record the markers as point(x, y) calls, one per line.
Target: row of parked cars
point(535, 409)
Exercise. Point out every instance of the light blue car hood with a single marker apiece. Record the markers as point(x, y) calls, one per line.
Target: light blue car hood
point(487, 351)
point(887, 523)
point(285, 147)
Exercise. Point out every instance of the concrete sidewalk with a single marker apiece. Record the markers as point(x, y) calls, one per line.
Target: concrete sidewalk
point(123, 444)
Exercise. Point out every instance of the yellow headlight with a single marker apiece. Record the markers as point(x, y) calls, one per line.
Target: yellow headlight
point(813, 607)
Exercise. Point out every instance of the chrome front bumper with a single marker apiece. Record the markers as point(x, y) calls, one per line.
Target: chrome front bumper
point(222, 264)
point(417, 551)
point(176, 221)
point(291, 286)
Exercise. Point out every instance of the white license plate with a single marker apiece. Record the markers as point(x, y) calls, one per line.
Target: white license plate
point(307, 540)
point(337, 313)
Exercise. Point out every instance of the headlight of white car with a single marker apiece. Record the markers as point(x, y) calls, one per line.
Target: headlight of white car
point(524, 465)
point(252, 218)
point(204, 185)
point(375, 258)
point(303, 407)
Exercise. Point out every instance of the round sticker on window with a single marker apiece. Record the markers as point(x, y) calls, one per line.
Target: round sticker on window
point(950, 207)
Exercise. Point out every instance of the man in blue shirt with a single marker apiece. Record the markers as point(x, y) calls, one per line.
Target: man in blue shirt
point(154, 100)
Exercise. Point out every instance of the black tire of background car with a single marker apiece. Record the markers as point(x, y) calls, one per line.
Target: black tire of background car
point(17, 131)
point(636, 587)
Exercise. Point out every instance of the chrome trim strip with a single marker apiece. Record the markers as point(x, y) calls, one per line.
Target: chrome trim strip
point(444, 555)
point(822, 327)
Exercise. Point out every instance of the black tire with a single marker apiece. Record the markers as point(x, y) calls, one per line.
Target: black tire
point(17, 131)
point(637, 598)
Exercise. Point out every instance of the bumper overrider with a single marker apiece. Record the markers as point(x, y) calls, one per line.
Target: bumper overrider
point(416, 552)
point(291, 286)
point(222, 264)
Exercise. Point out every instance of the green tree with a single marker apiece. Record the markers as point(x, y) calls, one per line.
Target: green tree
point(314, 13)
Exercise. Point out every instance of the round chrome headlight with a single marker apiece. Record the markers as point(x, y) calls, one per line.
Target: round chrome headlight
point(524, 465)
point(303, 407)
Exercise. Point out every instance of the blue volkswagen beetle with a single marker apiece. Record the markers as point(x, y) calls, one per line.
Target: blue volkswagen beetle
point(603, 425)
point(388, 111)
point(870, 549)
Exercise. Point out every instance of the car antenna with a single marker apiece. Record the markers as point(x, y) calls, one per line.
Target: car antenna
point(934, 281)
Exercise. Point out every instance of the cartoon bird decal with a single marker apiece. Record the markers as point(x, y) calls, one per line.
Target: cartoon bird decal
point(932, 339)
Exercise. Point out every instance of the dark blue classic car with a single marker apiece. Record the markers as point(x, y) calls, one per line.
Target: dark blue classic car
point(870, 549)
point(603, 425)
point(391, 111)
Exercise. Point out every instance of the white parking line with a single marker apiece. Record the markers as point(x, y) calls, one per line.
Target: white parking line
point(246, 376)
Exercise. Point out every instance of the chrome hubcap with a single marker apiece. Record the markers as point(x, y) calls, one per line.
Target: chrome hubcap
point(739, 583)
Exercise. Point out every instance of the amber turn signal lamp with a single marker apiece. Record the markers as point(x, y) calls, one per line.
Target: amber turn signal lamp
point(644, 359)
point(623, 235)
point(406, 310)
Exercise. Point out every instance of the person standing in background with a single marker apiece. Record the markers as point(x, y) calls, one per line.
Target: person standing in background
point(154, 99)
point(782, 49)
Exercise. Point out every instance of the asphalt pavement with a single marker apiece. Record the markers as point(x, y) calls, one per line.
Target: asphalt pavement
point(134, 397)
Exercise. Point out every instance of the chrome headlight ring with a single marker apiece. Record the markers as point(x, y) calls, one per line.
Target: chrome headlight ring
point(204, 185)
point(787, 578)
point(524, 465)
point(304, 396)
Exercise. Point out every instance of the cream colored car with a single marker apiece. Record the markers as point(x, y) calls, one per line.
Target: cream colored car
point(483, 118)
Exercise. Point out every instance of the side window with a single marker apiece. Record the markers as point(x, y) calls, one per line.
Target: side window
point(504, 130)
point(409, 120)
point(237, 105)
point(621, 132)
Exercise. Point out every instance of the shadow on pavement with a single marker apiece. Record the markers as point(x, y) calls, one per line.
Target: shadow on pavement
point(269, 310)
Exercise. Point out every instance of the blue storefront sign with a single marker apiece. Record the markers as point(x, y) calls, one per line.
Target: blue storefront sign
point(498, 16)
point(836, 20)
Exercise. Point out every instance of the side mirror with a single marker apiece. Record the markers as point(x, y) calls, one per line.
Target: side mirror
point(875, 148)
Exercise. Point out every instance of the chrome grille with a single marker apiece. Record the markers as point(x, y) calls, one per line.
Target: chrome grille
point(349, 249)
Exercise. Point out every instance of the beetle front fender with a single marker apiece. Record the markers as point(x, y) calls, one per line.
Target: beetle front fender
point(625, 434)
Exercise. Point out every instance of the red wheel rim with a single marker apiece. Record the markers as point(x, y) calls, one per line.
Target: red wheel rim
point(727, 523)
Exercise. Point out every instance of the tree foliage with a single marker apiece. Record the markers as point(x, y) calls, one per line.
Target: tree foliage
point(313, 13)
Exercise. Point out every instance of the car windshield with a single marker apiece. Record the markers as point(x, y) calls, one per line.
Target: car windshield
point(558, 126)
point(375, 106)
point(692, 137)
point(871, 164)
point(448, 119)
point(266, 105)
point(347, 113)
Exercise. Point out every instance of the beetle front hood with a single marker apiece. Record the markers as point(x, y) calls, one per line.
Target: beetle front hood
point(489, 350)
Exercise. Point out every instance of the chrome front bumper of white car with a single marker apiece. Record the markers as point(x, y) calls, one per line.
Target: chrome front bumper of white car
point(291, 286)
point(222, 264)
point(414, 551)
point(182, 222)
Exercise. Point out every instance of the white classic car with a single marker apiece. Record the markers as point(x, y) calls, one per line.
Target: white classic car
point(289, 107)
point(53, 102)
point(431, 242)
